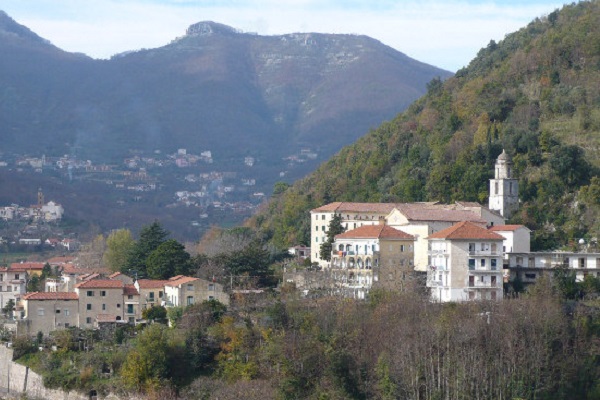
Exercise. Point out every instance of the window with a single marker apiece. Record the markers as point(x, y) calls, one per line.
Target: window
point(1, 277)
point(402, 248)
point(530, 276)
point(57, 311)
point(9, 288)
point(493, 263)
point(40, 311)
point(471, 263)
point(317, 239)
point(129, 297)
point(323, 217)
point(190, 287)
point(16, 276)
point(510, 190)
point(151, 296)
point(211, 286)
point(90, 293)
point(103, 293)
point(323, 228)
point(582, 262)
point(471, 247)
point(483, 262)
point(103, 307)
point(129, 308)
point(118, 305)
point(67, 312)
point(67, 324)
point(88, 306)
point(88, 320)
point(160, 294)
point(211, 297)
point(190, 300)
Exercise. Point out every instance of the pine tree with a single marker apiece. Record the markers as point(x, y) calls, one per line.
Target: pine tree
point(335, 228)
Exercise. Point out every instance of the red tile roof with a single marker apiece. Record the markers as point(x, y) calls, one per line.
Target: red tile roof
point(375, 232)
point(130, 290)
point(114, 275)
point(27, 266)
point(465, 230)
point(426, 211)
point(507, 228)
point(180, 281)
point(151, 283)
point(100, 284)
point(51, 296)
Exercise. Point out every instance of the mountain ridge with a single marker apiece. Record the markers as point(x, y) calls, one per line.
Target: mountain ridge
point(535, 94)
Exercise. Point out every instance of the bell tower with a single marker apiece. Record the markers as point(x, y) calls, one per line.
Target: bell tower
point(504, 188)
point(40, 199)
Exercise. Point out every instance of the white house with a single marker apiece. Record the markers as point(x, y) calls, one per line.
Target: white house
point(184, 291)
point(12, 285)
point(465, 263)
point(517, 238)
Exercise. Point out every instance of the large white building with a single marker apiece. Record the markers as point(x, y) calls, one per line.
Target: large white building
point(417, 219)
point(465, 263)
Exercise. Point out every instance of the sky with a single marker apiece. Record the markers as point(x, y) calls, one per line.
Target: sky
point(444, 33)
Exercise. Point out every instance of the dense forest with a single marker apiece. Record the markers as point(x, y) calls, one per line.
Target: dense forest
point(536, 94)
point(540, 345)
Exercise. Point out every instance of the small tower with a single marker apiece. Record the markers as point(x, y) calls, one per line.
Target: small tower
point(504, 188)
point(40, 201)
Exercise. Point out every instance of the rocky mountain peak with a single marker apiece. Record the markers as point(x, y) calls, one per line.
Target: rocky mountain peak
point(208, 28)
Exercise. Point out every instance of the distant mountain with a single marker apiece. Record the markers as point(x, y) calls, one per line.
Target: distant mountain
point(535, 94)
point(214, 88)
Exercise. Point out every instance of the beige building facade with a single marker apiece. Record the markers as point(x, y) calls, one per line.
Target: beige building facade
point(465, 263)
point(47, 311)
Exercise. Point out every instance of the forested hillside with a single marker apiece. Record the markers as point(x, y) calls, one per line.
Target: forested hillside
point(535, 94)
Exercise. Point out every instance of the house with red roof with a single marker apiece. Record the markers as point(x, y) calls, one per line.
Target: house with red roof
point(465, 263)
point(47, 311)
point(372, 256)
point(185, 290)
point(99, 296)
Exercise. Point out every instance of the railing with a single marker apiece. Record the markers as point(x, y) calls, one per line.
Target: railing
point(484, 269)
point(434, 283)
point(484, 252)
point(484, 285)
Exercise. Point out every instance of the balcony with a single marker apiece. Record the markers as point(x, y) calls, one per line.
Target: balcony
point(494, 253)
point(484, 285)
point(434, 283)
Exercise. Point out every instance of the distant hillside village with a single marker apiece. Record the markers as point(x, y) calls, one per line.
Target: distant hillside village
point(462, 251)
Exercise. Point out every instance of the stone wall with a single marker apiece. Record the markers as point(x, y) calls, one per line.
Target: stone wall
point(16, 379)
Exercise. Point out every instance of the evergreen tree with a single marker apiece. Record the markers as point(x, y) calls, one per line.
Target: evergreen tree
point(169, 259)
point(335, 228)
point(151, 236)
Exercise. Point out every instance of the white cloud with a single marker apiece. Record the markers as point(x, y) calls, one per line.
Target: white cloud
point(447, 34)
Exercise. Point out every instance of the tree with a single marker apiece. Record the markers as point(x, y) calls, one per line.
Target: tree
point(8, 308)
point(335, 228)
point(151, 236)
point(155, 313)
point(146, 366)
point(167, 260)
point(119, 245)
